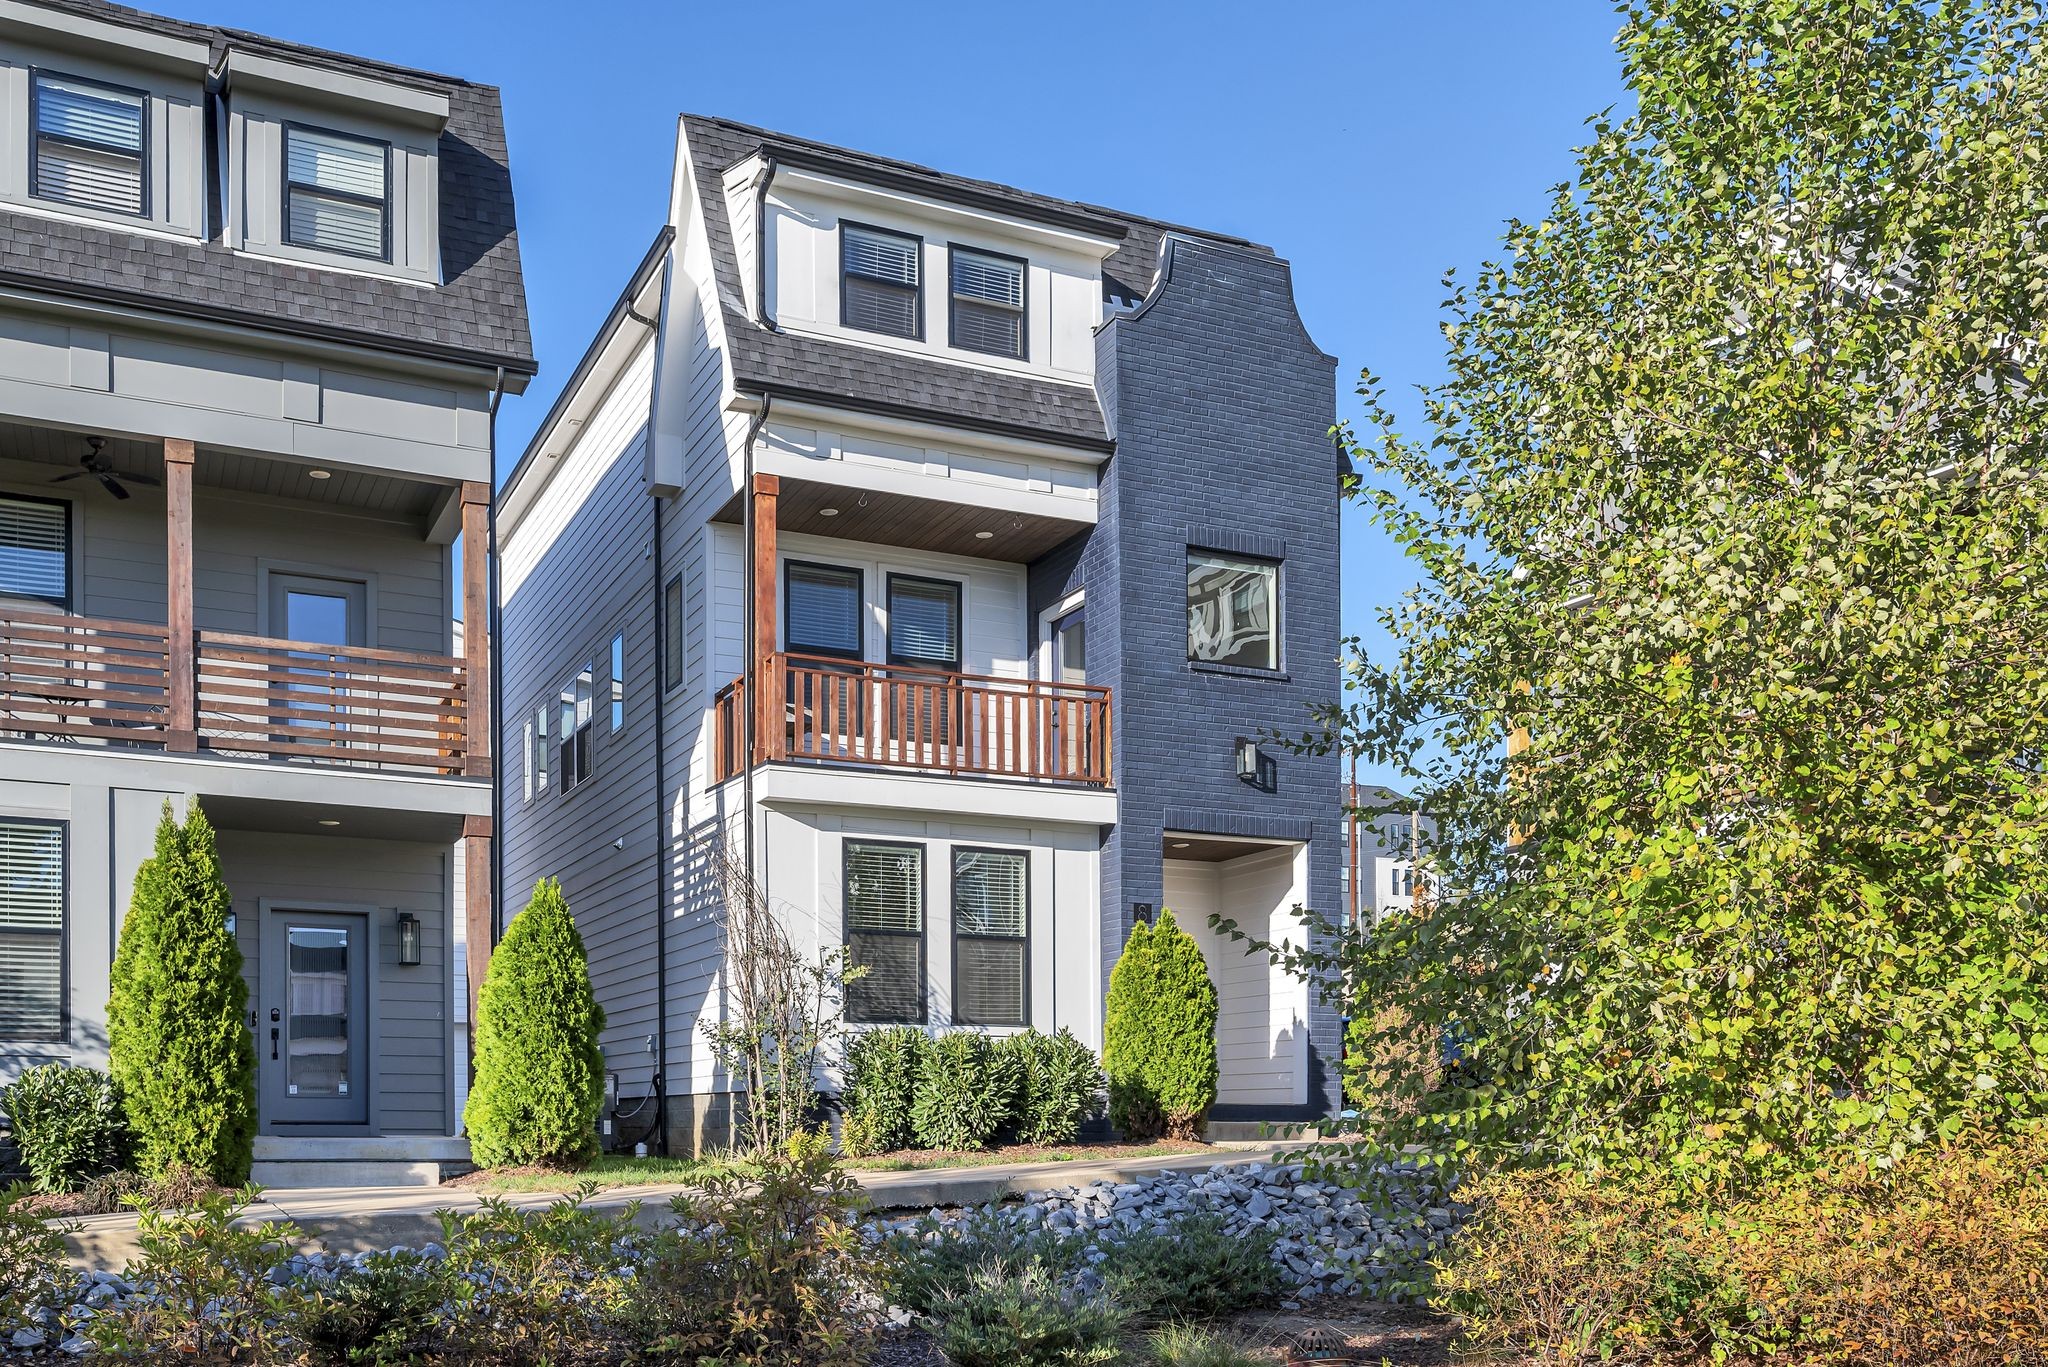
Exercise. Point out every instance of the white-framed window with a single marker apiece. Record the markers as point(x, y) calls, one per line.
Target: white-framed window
point(35, 551)
point(884, 911)
point(1233, 610)
point(89, 145)
point(618, 681)
point(32, 902)
point(337, 192)
point(572, 759)
point(881, 285)
point(991, 936)
point(988, 309)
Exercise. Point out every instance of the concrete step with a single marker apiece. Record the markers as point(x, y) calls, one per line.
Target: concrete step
point(401, 1160)
point(343, 1174)
point(1255, 1131)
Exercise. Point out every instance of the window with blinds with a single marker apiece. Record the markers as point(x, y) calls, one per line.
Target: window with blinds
point(821, 610)
point(672, 633)
point(880, 281)
point(924, 622)
point(89, 145)
point(885, 932)
point(988, 303)
point(991, 936)
point(336, 191)
point(31, 930)
point(35, 550)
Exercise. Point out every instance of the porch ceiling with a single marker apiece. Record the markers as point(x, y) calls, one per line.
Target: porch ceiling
point(214, 469)
point(923, 524)
point(305, 818)
point(1214, 849)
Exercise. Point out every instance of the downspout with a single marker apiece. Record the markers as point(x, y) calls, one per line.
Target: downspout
point(662, 884)
point(752, 674)
point(491, 624)
point(761, 317)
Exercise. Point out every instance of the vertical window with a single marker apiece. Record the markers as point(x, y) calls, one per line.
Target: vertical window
point(574, 759)
point(821, 610)
point(988, 302)
point(336, 193)
point(1233, 610)
point(885, 932)
point(538, 760)
point(991, 936)
point(924, 622)
point(880, 289)
point(618, 681)
point(35, 550)
point(88, 147)
point(526, 750)
point(31, 930)
point(672, 634)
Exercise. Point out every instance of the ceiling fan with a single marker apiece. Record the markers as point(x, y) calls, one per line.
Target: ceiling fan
point(96, 464)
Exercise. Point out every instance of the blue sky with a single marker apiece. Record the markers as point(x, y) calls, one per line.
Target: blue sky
point(1372, 143)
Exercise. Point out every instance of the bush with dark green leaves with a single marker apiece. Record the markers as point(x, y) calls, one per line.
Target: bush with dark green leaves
point(881, 1085)
point(539, 1072)
point(1159, 1040)
point(178, 1041)
point(387, 1311)
point(1060, 1088)
point(956, 1106)
point(1029, 1319)
point(68, 1124)
point(934, 1259)
point(1192, 1269)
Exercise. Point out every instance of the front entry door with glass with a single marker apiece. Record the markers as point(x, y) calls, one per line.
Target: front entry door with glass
point(311, 1036)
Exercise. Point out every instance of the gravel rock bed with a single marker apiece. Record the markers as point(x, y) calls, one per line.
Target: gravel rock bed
point(1331, 1240)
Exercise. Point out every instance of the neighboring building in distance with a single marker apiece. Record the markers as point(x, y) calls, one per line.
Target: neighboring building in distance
point(944, 549)
point(257, 303)
point(1392, 845)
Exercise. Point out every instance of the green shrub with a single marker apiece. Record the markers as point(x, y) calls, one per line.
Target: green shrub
point(213, 1299)
point(539, 1073)
point(388, 1311)
point(68, 1122)
point(1026, 1320)
point(1061, 1089)
point(178, 1041)
point(1159, 1042)
point(1192, 1269)
point(33, 1272)
point(881, 1084)
point(536, 1285)
point(933, 1260)
point(765, 1270)
point(956, 1105)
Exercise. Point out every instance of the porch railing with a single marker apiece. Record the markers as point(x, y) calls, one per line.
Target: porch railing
point(927, 720)
point(87, 680)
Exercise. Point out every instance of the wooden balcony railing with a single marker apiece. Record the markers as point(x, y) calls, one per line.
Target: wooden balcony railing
point(932, 721)
point(87, 680)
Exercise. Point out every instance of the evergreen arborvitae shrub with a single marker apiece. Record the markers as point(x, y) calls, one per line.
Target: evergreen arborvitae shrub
point(956, 1106)
point(1159, 1041)
point(881, 1084)
point(178, 1041)
point(539, 1073)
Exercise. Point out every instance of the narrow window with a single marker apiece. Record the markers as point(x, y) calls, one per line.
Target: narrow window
point(880, 282)
point(991, 936)
point(31, 930)
point(336, 193)
point(618, 681)
point(924, 622)
point(35, 551)
point(821, 608)
point(526, 749)
point(574, 758)
point(539, 760)
point(885, 932)
point(672, 634)
point(1233, 610)
point(88, 147)
point(988, 302)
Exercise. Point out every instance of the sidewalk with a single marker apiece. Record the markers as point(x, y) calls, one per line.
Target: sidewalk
point(360, 1219)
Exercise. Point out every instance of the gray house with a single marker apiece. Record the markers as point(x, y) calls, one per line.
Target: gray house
point(943, 552)
point(257, 306)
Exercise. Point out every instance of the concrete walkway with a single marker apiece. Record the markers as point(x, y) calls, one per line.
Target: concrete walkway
point(361, 1219)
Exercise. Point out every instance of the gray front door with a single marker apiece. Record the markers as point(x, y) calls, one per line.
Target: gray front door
point(311, 1041)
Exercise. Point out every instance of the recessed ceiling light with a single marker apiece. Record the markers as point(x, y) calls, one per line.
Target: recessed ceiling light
point(828, 512)
point(1180, 844)
point(329, 821)
point(319, 474)
point(983, 536)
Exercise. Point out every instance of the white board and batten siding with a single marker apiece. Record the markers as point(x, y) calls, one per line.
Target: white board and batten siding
point(1262, 1011)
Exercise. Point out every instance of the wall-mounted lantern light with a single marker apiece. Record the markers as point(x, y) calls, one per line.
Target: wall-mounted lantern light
point(1247, 760)
point(408, 939)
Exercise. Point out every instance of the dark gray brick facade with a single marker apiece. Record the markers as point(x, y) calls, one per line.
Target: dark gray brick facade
point(1221, 406)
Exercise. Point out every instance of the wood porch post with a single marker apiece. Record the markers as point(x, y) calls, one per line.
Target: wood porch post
point(768, 702)
point(476, 913)
point(181, 687)
point(476, 625)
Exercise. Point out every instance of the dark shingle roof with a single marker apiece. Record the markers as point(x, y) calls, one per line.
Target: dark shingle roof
point(477, 316)
point(867, 377)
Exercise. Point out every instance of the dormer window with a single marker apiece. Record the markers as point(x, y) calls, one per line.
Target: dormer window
point(880, 286)
point(88, 146)
point(337, 193)
point(988, 302)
